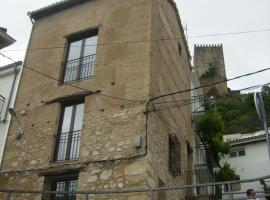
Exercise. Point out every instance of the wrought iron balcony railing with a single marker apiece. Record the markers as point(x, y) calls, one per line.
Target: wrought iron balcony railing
point(199, 177)
point(68, 146)
point(80, 68)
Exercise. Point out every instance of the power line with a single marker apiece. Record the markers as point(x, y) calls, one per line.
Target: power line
point(211, 84)
point(225, 95)
point(143, 41)
point(230, 33)
point(70, 84)
point(199, 97)
point(178, 92)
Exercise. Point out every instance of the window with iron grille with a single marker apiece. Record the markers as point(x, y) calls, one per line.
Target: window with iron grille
point(81, 57)
point(61, 183)
point(68, 139)
point(174, 155)
point(2, 100)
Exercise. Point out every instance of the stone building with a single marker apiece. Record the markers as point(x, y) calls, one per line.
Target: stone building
point(87, 89)
point(210, 66)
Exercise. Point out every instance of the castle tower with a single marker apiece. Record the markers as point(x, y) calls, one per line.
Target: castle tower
point(210, 66)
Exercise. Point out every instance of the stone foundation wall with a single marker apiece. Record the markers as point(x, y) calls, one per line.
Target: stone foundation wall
point(170, 72)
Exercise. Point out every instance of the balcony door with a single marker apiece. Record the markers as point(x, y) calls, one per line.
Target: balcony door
point(81, 58)
point(68, 140)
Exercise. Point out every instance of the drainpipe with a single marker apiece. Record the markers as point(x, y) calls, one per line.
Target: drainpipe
point(16, 72)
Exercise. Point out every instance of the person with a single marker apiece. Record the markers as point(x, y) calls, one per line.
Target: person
point(251, 194)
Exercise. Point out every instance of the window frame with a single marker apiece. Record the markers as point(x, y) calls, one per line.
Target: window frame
point(66, 179)
point(59, 132)
point(233, 154)
point(175, 162)
point(241, 150)
point(73, 38)
point(179, 48)
point(52, 180)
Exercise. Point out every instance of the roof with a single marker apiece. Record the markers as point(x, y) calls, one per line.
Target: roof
point(239, 139)
point(55, 7)
point(9, 66)
point(5, 39)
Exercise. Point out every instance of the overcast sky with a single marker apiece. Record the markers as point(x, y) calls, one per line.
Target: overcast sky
point(244, 53)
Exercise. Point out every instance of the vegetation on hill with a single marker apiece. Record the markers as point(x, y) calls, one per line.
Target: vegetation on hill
point(239, 113)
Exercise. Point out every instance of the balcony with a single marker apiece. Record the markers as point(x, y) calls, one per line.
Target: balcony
point(201, 176)
point(78, 69)
point(198, 105)
point(68, 146)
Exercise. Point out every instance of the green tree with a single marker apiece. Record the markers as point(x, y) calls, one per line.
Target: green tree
point(210, 127)
point(239, 113)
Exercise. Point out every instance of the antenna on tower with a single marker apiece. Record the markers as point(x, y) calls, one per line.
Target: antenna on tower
point(186, 32)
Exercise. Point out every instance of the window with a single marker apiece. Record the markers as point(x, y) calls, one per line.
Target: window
point(233, 154)
point(61, 183)
point(68, 139)
point(179, 49)
point(81, 57)
point(174, 155)
point(237, 152)
point(242, 152)
point(2, 100)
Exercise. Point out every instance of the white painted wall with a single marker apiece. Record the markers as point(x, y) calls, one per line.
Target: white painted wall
point(254, 164)
point(6, 81)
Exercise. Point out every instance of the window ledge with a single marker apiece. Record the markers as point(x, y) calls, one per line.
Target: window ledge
point(75, 81)
point(62, 167)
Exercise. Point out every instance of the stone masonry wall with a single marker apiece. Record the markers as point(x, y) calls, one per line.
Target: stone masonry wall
point(205, 57)
point(109, 124)
point(170, 72)
point(130, 64)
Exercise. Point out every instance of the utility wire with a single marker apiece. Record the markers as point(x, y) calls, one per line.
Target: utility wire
point(70, 84)
point(230, 33)
point(225, 95)
point(211, 84)
point(143, 41)
point(178, 92)
point(199, 97)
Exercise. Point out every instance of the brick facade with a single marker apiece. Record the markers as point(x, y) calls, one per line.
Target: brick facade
point(132, 63)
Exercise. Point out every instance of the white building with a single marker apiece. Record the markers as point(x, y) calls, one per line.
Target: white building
point(249, 158)
point(9, 80)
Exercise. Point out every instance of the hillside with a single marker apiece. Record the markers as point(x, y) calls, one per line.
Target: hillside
point(239, 113)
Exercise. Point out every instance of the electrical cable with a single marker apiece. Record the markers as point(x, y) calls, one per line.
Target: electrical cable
point(225, 95)
point(211, 84)
point(153, 40)
point(70, 84)
point(202, 96)
point(178, 92)
point(230, 33)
